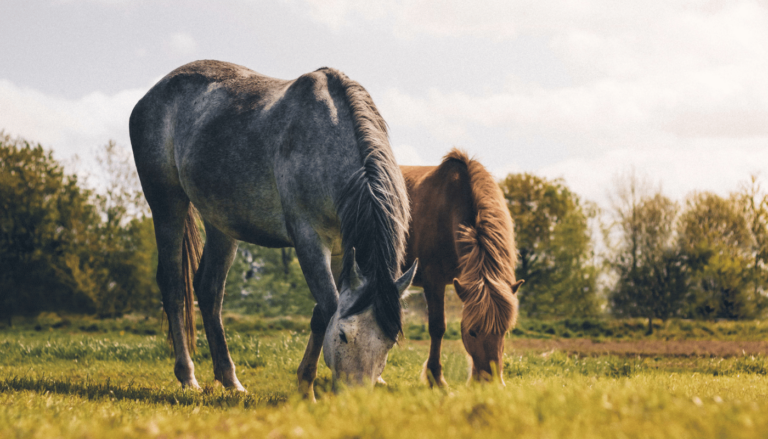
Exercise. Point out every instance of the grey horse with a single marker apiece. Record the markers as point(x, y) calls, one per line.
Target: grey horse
point(303, 163)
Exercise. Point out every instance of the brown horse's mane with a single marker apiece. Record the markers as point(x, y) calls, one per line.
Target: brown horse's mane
point(487, 254)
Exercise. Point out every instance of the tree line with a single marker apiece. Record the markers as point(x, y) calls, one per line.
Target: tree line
point(67, 247)
point(704, 259)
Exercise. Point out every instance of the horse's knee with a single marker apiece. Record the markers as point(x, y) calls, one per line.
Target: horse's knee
point(318, 324)
point(437, 329)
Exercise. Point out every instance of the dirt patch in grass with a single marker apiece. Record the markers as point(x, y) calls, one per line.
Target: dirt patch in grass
point(679, 348)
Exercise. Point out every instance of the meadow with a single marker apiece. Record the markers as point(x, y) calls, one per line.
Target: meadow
point(114, 378)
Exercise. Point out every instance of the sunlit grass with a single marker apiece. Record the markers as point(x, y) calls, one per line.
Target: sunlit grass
point(64, 383)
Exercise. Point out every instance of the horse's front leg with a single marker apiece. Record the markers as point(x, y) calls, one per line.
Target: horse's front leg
point(307, 371)
point(315, 260)
point(433, 368)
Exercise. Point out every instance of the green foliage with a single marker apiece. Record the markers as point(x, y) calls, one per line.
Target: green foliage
point(46, 223)
point(753, 200)
point(124, 244)
point(652, 274)
point(709, 262)
point(554, 241)
point(601, 329)
point(64, 248)
point(268, 282)
point(727, 279)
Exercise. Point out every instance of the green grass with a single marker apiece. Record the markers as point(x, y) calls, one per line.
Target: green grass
point(636, 329)
point(114, 382)
point(615, 329)
point(416, 328)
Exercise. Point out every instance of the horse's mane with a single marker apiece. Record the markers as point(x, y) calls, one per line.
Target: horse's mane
point(487, 254)
point(373, 208)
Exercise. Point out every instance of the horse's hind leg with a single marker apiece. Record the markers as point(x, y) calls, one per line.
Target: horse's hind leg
point(433, 368)
point(218, 255)
point(169, 215)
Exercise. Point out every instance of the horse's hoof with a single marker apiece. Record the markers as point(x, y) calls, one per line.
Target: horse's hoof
point(307, 391)
point(236, 386)
point(381, 382)
point(439, 383)
point(191, 385)
point(427, 377)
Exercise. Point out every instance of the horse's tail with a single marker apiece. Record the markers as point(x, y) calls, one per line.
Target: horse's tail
point(191, 251)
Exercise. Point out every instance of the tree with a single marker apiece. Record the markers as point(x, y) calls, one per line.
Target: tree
point(754, 203)
point(555, 245)
point(45, 217)
point(126, 245)
point(651, 274)
point(717, 238)
point(64, 248)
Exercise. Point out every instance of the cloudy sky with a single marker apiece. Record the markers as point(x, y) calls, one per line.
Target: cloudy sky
point(584, 90)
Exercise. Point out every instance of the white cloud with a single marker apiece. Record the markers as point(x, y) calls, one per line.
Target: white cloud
point(500, 172)
point(693, 69)
point(676, 89)
point(583, 22)
point(431, 112)
point(69, 126)
point(102, 2)
point(182, 43)
point(407, 155)
point(690, 68)
point(701, 166)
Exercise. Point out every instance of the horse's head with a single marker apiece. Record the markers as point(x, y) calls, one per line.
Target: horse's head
point(485, 342)
point(355, 347)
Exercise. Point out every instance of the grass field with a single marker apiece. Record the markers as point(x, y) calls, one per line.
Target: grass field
point(114, 379)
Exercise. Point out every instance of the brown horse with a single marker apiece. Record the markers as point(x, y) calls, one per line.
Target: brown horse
point(461, 231)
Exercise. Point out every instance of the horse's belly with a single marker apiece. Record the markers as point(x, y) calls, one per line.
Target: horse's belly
point(257, 225)
point(245, 209)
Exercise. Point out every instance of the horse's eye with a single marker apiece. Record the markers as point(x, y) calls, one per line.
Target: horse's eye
point(472, 333)
point(343, 336)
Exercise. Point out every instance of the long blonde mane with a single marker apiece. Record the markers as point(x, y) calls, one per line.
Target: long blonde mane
point(487, 254)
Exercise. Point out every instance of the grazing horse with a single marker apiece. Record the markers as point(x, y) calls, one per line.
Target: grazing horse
point(461, 230)
point(303, 163)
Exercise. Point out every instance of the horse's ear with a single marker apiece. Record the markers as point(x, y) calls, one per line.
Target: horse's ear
point(355, 279)
point(515, 286)
point(406, 279)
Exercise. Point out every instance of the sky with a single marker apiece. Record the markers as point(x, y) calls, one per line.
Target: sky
point(585, 90)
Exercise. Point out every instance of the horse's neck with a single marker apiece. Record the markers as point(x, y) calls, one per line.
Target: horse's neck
point(440, 203)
